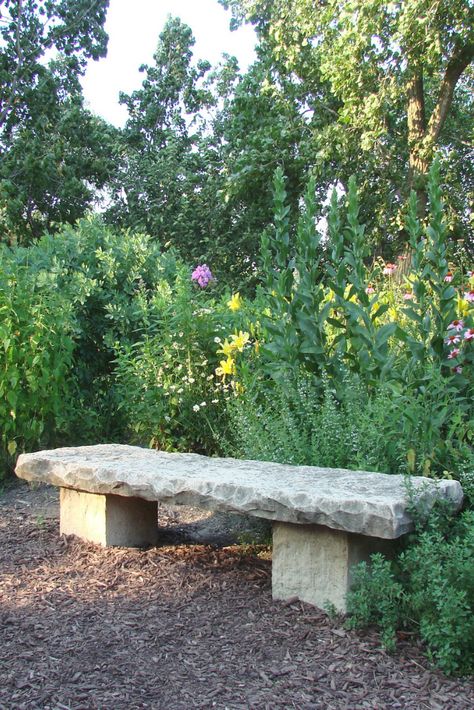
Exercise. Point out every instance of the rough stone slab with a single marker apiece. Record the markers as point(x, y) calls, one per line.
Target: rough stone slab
point(373, 504)
point(314, 563)
point(108, 520)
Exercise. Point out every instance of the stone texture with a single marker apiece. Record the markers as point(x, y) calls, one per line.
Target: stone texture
point(313, 563)
point(372, 504)
point(108, 520)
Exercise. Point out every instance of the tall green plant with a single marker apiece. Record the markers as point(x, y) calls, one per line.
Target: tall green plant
point(108, 279)
point(36, 349)
point(321, 314)
point(361, 337)
point(433, 305)
point(282, 347)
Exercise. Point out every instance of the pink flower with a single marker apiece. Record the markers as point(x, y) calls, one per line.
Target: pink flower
point(470, 274)
point(457, 369)
point(370, 289)
point(408, 296)
point(469, 334)
point(202, 275)
point(456, 325)
point(389, 269)
point(452, 339)
point(469, 296)
point(454, 353)
point(449, 277)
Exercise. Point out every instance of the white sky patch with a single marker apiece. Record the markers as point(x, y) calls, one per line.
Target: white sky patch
point(134, 29)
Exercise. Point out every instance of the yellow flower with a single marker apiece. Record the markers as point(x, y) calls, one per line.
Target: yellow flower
point(240, 340)
point(393, 313)
point(463, 306)
point(235, 302)
point(227, 348)
point(227, 367)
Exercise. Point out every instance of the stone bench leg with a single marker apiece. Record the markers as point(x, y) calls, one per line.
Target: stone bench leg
point(313, 563)
point(109, 520)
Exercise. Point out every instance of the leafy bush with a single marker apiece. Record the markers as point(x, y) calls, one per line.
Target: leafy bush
point(307, 420)
point(429, 587)
point(145, 342)
point(108, 279)
point(36, 329)
point(376, 598)
point(165, 381)
point(328, 308)
point(173, 384)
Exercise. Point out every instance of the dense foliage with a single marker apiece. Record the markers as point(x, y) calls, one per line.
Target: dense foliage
point(429, 587)
point(54, 154)
point(205, 313)
point(396, 78)
point(192, 165)
point(348, 343)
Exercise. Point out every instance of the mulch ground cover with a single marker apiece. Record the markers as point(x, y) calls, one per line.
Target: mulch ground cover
point(180, 626)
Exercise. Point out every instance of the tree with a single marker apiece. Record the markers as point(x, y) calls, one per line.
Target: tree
point(29, 29)
point(260, 127)
point(160, 178)
point(54, 163)
point(394, 67)
point(54, 155)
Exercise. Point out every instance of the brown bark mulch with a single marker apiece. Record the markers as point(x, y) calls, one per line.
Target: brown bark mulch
point(180, 626)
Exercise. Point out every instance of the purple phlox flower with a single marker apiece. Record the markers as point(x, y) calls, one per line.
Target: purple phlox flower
point(202, 275)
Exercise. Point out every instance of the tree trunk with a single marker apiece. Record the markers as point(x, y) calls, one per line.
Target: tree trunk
point(422, 137)
point(418, 164)
point(460, 60)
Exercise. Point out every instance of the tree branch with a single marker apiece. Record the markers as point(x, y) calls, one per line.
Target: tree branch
point(460, 60)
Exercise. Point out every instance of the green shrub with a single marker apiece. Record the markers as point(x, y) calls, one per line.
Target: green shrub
point(376, 598)
point(107, 279)
point(36, 328)
point(321, 421)
point(167, 385)
point(430, 587)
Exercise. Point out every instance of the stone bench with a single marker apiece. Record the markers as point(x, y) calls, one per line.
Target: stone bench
point(324, 520)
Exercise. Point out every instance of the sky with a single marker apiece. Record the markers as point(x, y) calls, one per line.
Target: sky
point(134, 28)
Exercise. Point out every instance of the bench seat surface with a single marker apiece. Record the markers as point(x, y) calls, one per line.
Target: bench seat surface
point(373, 504)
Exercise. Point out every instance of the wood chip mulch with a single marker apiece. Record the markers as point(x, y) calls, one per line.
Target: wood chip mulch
point(180, 627)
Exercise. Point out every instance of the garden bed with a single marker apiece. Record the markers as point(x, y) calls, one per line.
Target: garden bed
point(189, 624)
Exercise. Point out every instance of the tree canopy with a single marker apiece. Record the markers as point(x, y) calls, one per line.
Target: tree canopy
point(370, 88)
point(54, 154)
point(401, 73)
point(29, 29)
